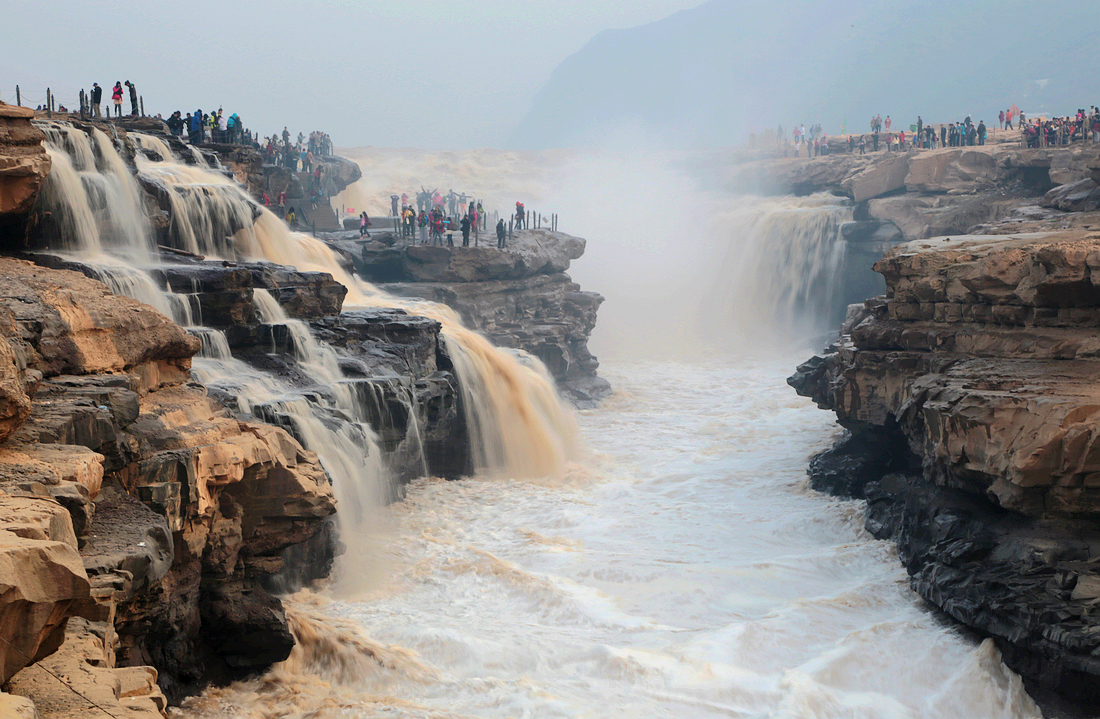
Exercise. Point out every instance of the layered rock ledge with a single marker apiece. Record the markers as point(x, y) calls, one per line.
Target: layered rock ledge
point(134, 500)
point(969, 394)
point(519, 296)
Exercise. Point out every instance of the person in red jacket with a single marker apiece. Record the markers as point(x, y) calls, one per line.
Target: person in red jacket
point(116, 98)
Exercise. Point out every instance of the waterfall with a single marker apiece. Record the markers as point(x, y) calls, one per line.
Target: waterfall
point(89, 191)
point(518, 425)
point(785, 265)
point(95, 197)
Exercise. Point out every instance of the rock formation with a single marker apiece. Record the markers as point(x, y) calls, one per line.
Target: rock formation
point(24, 166)
point(146, 518)
point(178, 509)
point(969, 398)
point(519, 296)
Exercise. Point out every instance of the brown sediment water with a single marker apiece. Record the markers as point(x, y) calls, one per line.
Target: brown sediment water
point(679, 568)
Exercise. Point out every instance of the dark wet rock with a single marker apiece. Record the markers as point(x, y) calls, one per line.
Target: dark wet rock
point(969, 392)
point(1080, 196)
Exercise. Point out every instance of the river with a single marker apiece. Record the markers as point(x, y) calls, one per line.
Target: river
point(683, 569)
point(678, 566)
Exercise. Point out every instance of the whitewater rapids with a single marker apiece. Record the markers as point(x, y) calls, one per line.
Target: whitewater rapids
point(684, 570)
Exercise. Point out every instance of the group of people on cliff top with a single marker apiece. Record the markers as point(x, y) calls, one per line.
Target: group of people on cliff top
point(1083, 126)
point(436, 215)
point(95, 99)
point(204, 127)
point(430, 217)
point(300, 155)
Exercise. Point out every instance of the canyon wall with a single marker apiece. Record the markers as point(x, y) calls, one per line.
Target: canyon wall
point(969, 398)
point(149, 520)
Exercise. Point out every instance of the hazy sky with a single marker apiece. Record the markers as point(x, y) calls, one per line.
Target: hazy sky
point(426, 73)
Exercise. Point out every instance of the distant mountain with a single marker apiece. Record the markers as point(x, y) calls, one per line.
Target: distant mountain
point(709, 75)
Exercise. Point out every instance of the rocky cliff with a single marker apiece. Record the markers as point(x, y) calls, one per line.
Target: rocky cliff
point(968, 392)
point(519, 296)
point(146, 519)
point(136, 501)
point(24, 166)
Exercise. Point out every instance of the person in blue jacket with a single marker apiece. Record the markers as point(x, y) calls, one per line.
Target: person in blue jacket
point(196, 128)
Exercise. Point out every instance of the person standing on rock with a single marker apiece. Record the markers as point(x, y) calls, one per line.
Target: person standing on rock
point(195, 128)
point(422, 223)
point(133, 98)
point(888, 123)
point(500, 234)
point(465, 230)
point(1001, 120)
point(981, 132)
point(863, 144)
point(97, 97)
point(1008, 119)
point(116, 98)
point(364, 224)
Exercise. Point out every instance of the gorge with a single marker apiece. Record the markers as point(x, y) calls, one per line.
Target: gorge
point(182, 465)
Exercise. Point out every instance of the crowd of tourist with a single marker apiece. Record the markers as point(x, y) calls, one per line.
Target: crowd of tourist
point(435, 213)
point(300, 155)
point(432, 216)
point(1083, 126)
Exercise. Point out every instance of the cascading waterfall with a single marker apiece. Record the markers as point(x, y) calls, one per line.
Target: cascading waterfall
point(326, 420)
point(207, 208)
point(699, 578)
point(518, 425)
point(94, 196)
point(786, 263)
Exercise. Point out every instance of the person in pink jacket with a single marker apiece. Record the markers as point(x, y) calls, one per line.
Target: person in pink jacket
point(116, 97)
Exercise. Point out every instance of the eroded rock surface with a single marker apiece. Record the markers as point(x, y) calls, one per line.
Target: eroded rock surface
point(24, 163)
point(971, 398)
point(519, 296)
point(181, 510)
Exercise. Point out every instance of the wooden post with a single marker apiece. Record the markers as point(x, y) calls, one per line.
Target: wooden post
point(18, 97)
point(142, 101)
point(509, 230)
point(48, 103)
point(82, 104)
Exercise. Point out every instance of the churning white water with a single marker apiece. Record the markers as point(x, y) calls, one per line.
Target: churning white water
point(679, 569)
point(685, 571)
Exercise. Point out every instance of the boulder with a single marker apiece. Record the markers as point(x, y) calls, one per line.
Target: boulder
point(24, 163)
point(41, 576)
point(952, 169)
point(881, 178)
point(1080, 196)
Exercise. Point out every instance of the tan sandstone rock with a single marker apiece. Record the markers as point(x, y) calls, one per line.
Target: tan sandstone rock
point(41, 575)
point(78, 682)
point(24, 163)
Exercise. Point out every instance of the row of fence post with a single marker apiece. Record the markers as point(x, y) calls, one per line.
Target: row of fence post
point(83, 98)
point(536, 219)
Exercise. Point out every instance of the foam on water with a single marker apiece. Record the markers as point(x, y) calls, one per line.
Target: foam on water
point(689, 572)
